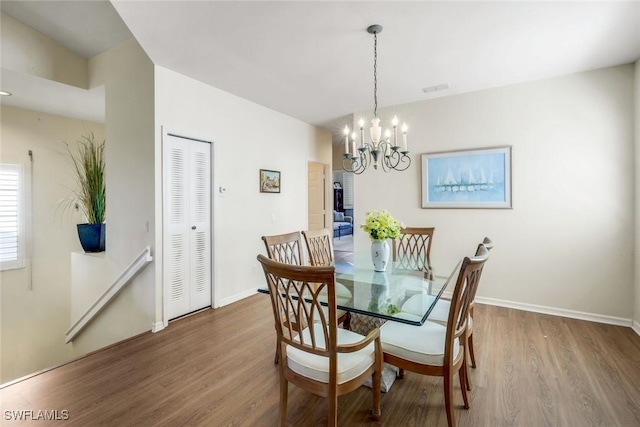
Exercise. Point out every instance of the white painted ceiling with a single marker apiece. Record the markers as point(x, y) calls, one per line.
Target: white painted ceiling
point(313, 60)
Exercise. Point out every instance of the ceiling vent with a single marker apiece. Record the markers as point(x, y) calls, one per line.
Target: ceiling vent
point(436, 88)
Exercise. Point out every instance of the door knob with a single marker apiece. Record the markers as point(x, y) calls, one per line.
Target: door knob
point(193, 228)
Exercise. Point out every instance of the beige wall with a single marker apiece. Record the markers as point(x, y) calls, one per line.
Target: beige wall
point(133, 119)
point(129, 155)
point(246, 137)
point(568, 241)
point(127, 73)
point(35, 318)
point(29, 52)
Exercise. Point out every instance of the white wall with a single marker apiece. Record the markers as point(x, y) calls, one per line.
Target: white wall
point(127, 73)
point(636, 316)
point(246, 137)
point(29, 52)
point(568, 241)
point(35, 318)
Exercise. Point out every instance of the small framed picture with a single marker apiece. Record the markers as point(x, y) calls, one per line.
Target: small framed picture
point(269, 181)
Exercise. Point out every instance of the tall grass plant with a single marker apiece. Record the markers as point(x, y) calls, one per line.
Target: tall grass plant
point(87, 158)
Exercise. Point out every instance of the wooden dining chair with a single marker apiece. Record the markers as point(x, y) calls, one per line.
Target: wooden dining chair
point(440, 313)
point(433, 349)
point(319, 246)
point(442, 309)
point(285, 248)
point(320, 250)
point(320, 357)
point(412, 250)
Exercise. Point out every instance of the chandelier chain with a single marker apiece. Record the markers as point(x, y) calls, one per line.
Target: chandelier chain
point(375, 74)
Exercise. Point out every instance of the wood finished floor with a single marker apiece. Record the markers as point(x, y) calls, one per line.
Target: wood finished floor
point(216, 368)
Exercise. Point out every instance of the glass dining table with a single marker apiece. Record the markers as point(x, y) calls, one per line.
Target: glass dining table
point(360, 289)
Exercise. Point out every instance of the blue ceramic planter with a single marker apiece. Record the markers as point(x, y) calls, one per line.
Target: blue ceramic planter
point(92, 237)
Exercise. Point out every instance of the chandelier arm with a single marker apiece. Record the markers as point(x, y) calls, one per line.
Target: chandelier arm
point(386, 164)
point(360, 163)
point(347, 165)
point(404, 159)
point(393, 159)
point(396, 160)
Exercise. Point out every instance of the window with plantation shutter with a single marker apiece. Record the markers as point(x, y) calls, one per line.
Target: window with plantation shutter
point(11, 217)
point(347, 185)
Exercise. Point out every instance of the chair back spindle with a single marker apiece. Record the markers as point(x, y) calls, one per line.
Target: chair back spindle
point(412, 250)
point(296, 293)
point(285, 248)
point(319, 246)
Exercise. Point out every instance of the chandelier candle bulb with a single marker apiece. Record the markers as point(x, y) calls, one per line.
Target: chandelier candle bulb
point(387, 135)
point(361, 123)
point(394, 123)
point(353, 142)
point(346, 140)
point(395, 135)
point(404, 137)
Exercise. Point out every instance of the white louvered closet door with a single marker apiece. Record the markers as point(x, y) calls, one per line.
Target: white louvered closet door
point(187, 225)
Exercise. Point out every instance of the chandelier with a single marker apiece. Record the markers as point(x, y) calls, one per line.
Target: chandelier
point(386, 150)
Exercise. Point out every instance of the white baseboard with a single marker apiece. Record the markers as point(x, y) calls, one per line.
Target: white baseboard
point(636, 327)
point(157, 327)
point(237, 297)
point(573, 314)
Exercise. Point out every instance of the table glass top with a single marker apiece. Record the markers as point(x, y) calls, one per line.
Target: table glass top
point(400, 295)
point(397, 294)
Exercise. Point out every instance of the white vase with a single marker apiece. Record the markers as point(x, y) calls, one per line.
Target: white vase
point(380, 254)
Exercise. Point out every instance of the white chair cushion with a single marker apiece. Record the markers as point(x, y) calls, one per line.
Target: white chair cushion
point(420, 344)
point(417, 304)
point(439, 314)
point(350, 365)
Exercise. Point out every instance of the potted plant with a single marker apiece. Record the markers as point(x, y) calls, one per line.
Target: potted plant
point(87, 158)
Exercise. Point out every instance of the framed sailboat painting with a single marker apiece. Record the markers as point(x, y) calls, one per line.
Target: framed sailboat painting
point(478, 178)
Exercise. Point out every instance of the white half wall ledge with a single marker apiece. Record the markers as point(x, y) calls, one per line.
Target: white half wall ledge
point(554, 311)
point(112, 291)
